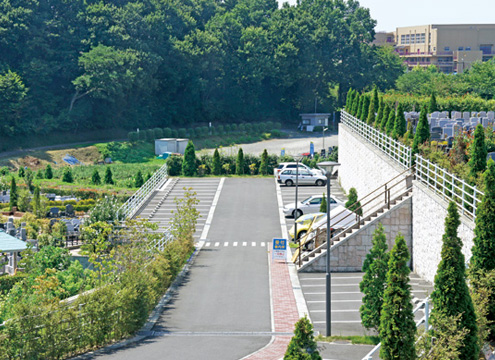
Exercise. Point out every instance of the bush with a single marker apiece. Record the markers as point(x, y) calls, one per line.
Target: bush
point(158, 133)
point(174, 165)
point(142, 135)
point(150, 135)
point(67, 175)
point(174, 133)
point(182, 133)
point(167, 132)
point(192, 133)
point(7, 282)
point(133, 136)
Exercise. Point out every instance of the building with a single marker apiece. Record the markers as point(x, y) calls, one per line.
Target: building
point(310, 121)
point(10, 247)
point(384, 38)
point(452, 48)
point(170, 145)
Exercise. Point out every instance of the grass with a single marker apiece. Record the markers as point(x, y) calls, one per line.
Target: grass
point(363, 340)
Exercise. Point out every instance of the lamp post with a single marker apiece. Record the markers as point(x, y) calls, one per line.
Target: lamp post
point(323, 133)
point(327, 167)
point(297, 158)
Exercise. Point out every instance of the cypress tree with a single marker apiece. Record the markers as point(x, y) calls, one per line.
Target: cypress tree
point(217, 165)
point(21, 172)
point(451, 296)
point(397, 327)
point(67, 175)
point(400, 124)
point(370, 120)
point(323, 205)
point(239, 163)
point(355, 103)
point(13, 194)
point(108, 176)
point(138, 179)
point(303, 345)
point(386, 114)
point(409, 135)
point(39, 174)
point(48, 172)
point(37, 202)
point(95, 178)
point(189, 163)
point(375, 270)
point(379, 116)
point(422, 131)
point(352, 202)
point(432, 107)
point(348, 101)
point(376, 99)
point(359, 107)
point(389, 128)
point(366, 106)
point(264, 163)
point(477, 162)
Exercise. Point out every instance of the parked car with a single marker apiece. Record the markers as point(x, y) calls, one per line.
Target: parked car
point(292, 165)
point(309, 206)
point(288, 177)
point(304, 224)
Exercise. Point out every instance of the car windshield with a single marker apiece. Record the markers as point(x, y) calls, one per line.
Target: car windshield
point(304, 218)
point(306, 200)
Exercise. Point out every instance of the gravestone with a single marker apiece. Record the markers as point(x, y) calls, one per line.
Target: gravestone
point(433, 123)
point(474, 114)
point(69, 210)
point(54, 211)
point(448, 131)
point(435, 136)
point(435, 115)
point(443, 122)
point(466, 115)
point(437, 129)
point(491, 115)
point(482, 114)
point(490, 155)
point(456, 115)
point(485, 122)
point(474, 121)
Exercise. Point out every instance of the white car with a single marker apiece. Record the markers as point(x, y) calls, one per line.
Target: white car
point(309, 205)
point(292, 165)
point(288, 178)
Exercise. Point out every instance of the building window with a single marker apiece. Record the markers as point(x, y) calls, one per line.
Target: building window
point(423, 37)
point(306, 122)
point(446, 48)
point(403, 39)
point(486, 49)
point(461, 48)
point(468, 48)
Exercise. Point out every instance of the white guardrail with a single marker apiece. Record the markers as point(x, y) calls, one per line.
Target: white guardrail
point(392, 148)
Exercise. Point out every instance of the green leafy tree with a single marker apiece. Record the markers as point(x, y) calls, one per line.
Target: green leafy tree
point(95, 178)
point(323, 205)
point(239, 163)
point(397, 327)
point(389, 127)
point(477, 161)
point(352, 202)
point(48, 172)
point(264, 162)
point(400, 123)
point(189, 163)
point(29, 177)
point(138, 179)
point(379, 116)
point(432, 106)
point(217, 164)
point(375, 268)
point(12, 94)
point(108, 176)
point(451, 296)
point(67, 175)
point(39, 174)
point(21, 173)
point(303, 346)
point(422, 131)
point(13, 194)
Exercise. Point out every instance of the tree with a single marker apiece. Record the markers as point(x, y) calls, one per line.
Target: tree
point(432, 106)
point(217, 164)
point(21, 173)
point(458, 153)
point(264, 163)
point(239, 163)
point(359, 106)
point(108, 176)
point(13, 194)
point(370, 120)
point(67, 175)
point(397, 327)
point(323, 205)
point(422, 131)
point(95, 178)
point(29, 177)
point(302, 346)
point(39, 174)
point(451, 296)
point(37, 210)
point(352, 202)
point(376, 99)
point(389, 128)
point(375, 268)
point(348, 101)
point(138, 179)
point(379, 116)
point(477, 162)
point(400, 123)
point(366, 106)
point(386, 114)
point(48, 172)
point(189, 163)
point(355, 104)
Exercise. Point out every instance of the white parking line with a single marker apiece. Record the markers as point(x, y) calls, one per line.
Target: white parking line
point(337, 311)
point(204, 234)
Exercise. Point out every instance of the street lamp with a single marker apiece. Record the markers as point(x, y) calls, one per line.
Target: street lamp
point(297, 158)
point(323, 133)
point(327, 167)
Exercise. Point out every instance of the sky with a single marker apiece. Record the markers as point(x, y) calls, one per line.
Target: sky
point(391, 14)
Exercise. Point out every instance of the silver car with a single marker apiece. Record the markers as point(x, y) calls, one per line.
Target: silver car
point(288, 177)
point(309, 205)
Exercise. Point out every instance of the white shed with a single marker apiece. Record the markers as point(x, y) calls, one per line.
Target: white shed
point(309, 121)
point(171, 145)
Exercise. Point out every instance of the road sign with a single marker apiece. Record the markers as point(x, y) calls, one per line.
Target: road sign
point(311, 149)
point(279, 249)
point(282, 153)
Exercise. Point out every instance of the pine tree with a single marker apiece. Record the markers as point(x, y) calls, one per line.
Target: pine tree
point(379, 116)
point(376, 99)
point(432, 107)
point(138, 179)
point(39, 174)
point(302, 346)
point(13, 194)
point(189, 164)
point(48, 172)
point(400, 124)
point(37, 202)
point(370, 120)
point(323, 205)
point(352, 202)
point(348, 101)
point(21, 172)
point(422, 131)
point(451, 296)
point(389, 128)
point(67, 175)
point(217, 164)
point(95, 178)
point(375, 270)
point(477, 162)
point(366, 106)
point(239, 163)
point(108, 176)
point(355, 103)
point(359, 108)
point(397, 327)
point(386, 114)
point(264, 163)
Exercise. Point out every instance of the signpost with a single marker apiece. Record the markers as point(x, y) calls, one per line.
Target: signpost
point(311, 149)
point(279, 251)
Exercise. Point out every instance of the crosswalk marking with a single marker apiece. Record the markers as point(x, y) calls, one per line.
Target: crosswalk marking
point(262, 244)
point(217, 244)
point(207, 244)
point(226, 243)
point(244, 243)
point(253, 244)
point(235, 243)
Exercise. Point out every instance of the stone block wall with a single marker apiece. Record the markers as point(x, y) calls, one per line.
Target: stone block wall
point(349, 254)
point(429, 211)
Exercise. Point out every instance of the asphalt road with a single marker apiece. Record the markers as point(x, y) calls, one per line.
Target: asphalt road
point(222, 310)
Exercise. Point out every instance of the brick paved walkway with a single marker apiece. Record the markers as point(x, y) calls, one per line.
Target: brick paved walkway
point(285, 313)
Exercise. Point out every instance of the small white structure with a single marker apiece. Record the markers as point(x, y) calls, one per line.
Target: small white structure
point(170, 145)
point(309, 121)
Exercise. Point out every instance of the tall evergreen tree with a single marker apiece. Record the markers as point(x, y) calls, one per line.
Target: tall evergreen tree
point(477, 162)
point(400, 123)
point(323, 205)
point(13, 194)
point(386, 114)
point(67, 175)
point(376, 99)
point(239, 163)
point(422, 131)
point(375, 270)
point(108, 176)
point(352, 202)
point(397, 327)
point(37, 211)
point(451, 296)
point(303, 345)
point(432, 106)
point(355, 103)
point(389, 128)
point(264, 163)
point(138, 179)
point(189, 163)
point(348, 101)
point(217, 164)
point(370, 120)
point(409, 135)
point(48, 172)
point(21, 173)
point(366, 106)
point(359, 107)
point(379, 115)
point(95, 178)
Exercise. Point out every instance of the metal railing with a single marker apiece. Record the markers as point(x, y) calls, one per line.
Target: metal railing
point(397, 151)
point(449, 186)
point(425, 304)
point(134, 203)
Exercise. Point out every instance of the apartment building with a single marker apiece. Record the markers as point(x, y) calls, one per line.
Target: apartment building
point(452, 48)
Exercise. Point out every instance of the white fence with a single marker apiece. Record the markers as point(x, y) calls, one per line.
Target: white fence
point(390, 147)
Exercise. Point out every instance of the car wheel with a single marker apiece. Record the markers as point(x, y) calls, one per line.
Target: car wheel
point(301, 234)
point(289, 183)
point(297, 213)
point(320, 183)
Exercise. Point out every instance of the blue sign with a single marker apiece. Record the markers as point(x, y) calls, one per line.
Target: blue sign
point(311, 149)
point(279, 244)
point(282, 153)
